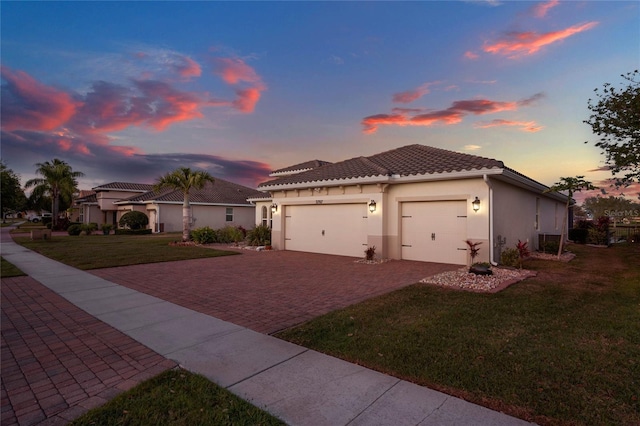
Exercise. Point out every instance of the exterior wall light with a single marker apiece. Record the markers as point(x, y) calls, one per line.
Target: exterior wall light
point(476, 204)
point(372, 206)
point(274, 208)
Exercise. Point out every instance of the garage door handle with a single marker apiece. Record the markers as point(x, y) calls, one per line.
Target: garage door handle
point(433, 236)
point(407, 245)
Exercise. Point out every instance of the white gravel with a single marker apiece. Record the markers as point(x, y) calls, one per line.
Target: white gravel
point(465, 280)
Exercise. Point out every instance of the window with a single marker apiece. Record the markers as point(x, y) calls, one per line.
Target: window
point(229, 215)
point(264, 216)
point(537, 224)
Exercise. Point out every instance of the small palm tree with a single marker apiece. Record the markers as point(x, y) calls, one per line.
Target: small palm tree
point(58, 180)
point(184, 179)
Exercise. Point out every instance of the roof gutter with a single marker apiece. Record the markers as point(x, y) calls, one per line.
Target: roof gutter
point(463, 174)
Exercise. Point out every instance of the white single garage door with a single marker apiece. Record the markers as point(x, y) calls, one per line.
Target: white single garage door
point(435, 231)
point(339, 229)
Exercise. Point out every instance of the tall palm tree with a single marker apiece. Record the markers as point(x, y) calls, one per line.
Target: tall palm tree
point(184, 179)
point(58, 180)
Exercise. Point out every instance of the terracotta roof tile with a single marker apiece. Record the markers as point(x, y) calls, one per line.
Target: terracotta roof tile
point(313, 164)
point(220, 192)
point(404, 161)
point(124, 186)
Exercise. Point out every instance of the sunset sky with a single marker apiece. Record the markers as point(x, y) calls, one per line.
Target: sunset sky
point(127, 91)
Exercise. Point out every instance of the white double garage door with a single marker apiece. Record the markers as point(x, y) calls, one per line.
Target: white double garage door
point(431, 231)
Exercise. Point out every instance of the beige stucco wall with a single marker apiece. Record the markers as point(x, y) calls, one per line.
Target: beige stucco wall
point(450, 190)
point(107, 198)
point(384, 225)
point(211, 216)
point(515, 215)
point(91, 213)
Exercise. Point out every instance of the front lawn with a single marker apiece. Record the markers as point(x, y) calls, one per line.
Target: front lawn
point(106, 251)
point(8, 269)
point(177, 397)
point(560, 348)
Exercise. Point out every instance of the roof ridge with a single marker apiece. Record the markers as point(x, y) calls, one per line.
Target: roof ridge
point(371, 163)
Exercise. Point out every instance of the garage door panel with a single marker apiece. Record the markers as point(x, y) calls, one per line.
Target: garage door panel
point(339, 229)
point(434, 231)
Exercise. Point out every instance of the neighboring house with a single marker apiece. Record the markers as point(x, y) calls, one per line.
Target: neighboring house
point(415, 202)
point(216, 205)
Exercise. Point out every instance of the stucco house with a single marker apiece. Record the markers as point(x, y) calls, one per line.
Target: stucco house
point(415, 202)
point(216, 205)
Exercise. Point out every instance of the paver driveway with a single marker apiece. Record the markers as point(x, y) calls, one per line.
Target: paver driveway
point(58, 361)
point(272, 290)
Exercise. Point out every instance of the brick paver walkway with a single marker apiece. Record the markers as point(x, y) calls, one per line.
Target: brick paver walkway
point(272, 290)
point(58, 361)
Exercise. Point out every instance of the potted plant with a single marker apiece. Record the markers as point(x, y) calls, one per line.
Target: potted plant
point(106, 228)
point(482, 268)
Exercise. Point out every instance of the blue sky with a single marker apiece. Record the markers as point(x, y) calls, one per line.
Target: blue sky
point(127, 91)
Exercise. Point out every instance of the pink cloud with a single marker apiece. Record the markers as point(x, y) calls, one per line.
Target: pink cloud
point(188, 68)
point(235, 70)
point(412, 95)
point(606, 187)
point(452, 115)
point(471, 55)
point(518, 44)
point(247, 99)
point(540, 10)
point(29, 104)
point(166, 105)
point(526, 126)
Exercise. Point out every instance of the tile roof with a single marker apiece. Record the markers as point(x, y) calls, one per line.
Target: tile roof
point(313, 164)
point(124, 186)
point(86, 197)
point(219, 192)
point(408, 160)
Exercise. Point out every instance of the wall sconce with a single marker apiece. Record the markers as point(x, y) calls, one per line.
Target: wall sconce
point(372, 206)
point(274, 208)
point(476, 204)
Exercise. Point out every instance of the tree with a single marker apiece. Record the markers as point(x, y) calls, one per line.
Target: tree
point(58, 181)
point(615, 119)
point(569, 185)
point(613, 207)
point(184, 179)
point(13, 197)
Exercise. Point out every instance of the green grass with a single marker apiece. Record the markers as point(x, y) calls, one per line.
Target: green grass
point(561, 348)
point(177, 397)
point(8, 270)
point(105, 251)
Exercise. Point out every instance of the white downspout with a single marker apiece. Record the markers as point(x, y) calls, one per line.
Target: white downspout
point(486, 180)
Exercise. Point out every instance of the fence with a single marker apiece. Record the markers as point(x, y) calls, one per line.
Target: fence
point(629, 233)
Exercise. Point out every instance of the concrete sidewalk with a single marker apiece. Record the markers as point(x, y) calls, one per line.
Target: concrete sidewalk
point(298, 385)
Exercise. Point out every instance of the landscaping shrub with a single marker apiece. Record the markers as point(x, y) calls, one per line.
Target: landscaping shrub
point(370, 253)
point(88, 228)
point(259, 236)
point(230, 234)
point(204, 235)
point(579, 235)
point(597, 236)
point(134, 220)
point(74, 229)
point(550, 247)
point(510, 257)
